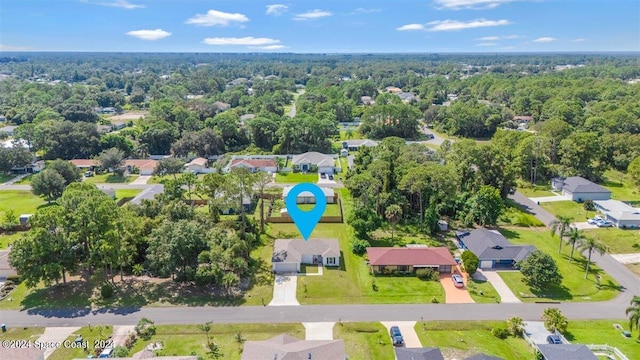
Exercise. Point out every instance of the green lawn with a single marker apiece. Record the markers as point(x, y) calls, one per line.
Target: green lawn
point(296, 178)
point(22, 202)
point(188, 339)
point(158, 179)
point(110, 179)
point(90, 335)
point(6, 239)
point(574, 287)
point(482, 292)
point(460, 339)
point(515, 216)
point(365, 341)
point(355, 135)
point(535, 190)
point(22, 333)
point(568, 208)
point(602, 332)
point(344, 164)
point(6, 177)
point(621, 187)
point(125, 193)
point(619, 241)
point(25, 180)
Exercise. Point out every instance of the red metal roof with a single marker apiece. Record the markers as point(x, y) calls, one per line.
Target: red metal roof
point(409, 256)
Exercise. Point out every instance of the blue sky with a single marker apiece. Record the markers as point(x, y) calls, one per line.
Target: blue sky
point(320, 26)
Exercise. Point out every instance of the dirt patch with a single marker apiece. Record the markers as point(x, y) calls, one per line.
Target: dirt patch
point(131, 115)
point(451, 353)
point(634, 267)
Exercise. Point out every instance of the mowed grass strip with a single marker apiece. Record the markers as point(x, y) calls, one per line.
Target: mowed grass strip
point(460, 339)
point(296, 178)
point(365, 341)
point(575, 211)
point(110, 179)
point(190, 339)
point(602, 332)
point(7, 239)
point(621, 186)
point(574, 286)
point(22, 333)
point(22, 202)
point(93, 336)
point(618, 241)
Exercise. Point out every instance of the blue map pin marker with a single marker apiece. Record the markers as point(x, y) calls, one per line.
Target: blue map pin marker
point(306, 221)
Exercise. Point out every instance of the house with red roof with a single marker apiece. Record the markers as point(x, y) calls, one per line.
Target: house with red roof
point(410, 258)
point(254, 165)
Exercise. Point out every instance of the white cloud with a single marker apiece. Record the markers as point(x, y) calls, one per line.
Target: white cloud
point(313, 14)
point(149, 35)
point(489, 38)
point(215, 17)
point(5, 47)
point(124, 4)
point(469, 4)
point(545, 39)
point(512, 37)
point(246, 41)
point(268, 47)
point(410, 27)
point(365, 11)
point(578, 40)
point(276, 9)
point(486, 44)
point(453, 25)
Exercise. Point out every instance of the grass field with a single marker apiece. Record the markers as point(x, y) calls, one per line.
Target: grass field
point(344, 165)
point(110, 179)
point(602, 332)
point(158, 179)
point(568, 208)
point(621, 187)
point(90, 335)
point(25, 180)
point(529, 190)
point(124, 193)
point(574, 287)
point(5, 177)
point(22, 202)
point(296, 178)
point(6, 239)
point(514, 215)
point(365, 341)
point(619, 241)
point(188, 339)
point(460, 339)
point(482, 292)
point(22, 333)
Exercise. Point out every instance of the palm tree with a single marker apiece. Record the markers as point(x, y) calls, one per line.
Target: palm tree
point(590, 245)
point(515, 325)
point(560, 226)
point(393, 214)
point(574, 237)
point(279, 164)
point(349, 133)
point(633, 312)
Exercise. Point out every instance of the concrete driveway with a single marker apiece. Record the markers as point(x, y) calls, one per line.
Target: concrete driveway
point(506, 295)
point(407, 328)
point(632, 258)
point(454, 295)
point(585, 226)
point(56, 335)
point(318, 330)
point(284, 291)
point(141, 180)
point(545, 199)
point(536, 331)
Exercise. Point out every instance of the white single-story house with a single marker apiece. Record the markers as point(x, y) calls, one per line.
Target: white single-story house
point(288, 254)
point(146, 166)
point(307, 161)
point(254, 165)
point(580, 189)
point(197, 165)
point(354, 145)
point(621, 214)
point(85, 164)
point(306, 197)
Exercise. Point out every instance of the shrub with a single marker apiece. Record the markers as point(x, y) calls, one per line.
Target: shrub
point(137, 270)
point(434, 300)
point(130, 341)
point(359, 246)
point(428, 274)
point(500, 332)
point(470, 261)
point(145, 329)
point(120, 352)
point(106, 291)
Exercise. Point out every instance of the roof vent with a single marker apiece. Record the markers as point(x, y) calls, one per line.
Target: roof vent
point(497, 247)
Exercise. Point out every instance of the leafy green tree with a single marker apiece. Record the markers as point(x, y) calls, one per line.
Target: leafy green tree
point(590, 245)
point(262, 180)
point(633, 312)
point(560, 226)
point(48, 183)
point(554, 320)
point(575, 237)
point(169, 166)
point(539, 270)
point(212, 186)
point(174, 248)
point(111, 159)
point(239, 188)
point(10, 220)
point(470, 261)
point(190, 180)
point(515, 325)
point(633, 170)
point(69, 172)
point(14, 157)
point(364, 220)
point(393, 214)
point(486, 205)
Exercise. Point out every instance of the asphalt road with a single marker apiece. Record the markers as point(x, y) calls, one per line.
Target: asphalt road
point(27, 187)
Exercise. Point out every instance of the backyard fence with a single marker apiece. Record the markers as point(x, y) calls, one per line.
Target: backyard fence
point(608, 350)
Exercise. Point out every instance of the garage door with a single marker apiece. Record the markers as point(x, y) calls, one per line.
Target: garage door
point(486, 264)
point(286, 267)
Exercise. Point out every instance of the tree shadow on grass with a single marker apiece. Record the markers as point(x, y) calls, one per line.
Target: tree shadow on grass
point(63, 300)
point(557, 292)
point(509, 234)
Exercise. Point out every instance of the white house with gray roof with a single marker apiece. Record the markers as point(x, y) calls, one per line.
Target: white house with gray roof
point(288, 254)
point(580, 189)
point(565, 352)
point(311, 160)
point(620, 214)
point(492, 249)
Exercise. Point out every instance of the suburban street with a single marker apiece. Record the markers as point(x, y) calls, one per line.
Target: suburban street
point(613, 309)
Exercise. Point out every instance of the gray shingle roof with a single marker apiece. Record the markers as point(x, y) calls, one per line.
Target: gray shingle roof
point(566, 352)
point(314, 158)
point(291, 250)
point(285, 347)
point(483, 357)
point(428, 353)
point(491, 245)
point(577, 184)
